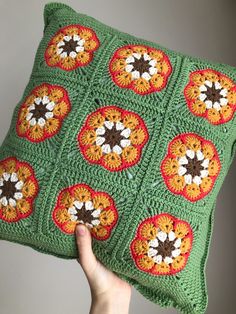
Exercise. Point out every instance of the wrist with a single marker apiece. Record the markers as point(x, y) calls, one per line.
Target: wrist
point(114, 302)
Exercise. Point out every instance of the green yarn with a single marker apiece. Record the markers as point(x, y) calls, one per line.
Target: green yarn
point(132, 193)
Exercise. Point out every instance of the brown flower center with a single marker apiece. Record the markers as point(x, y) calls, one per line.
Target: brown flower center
point(39, 111)
point(113, 136)
point(141, 65)
point(165, 248)
point(212, 93)
point(84, 214)
point(8, 189)
point(70, 46)
point(194, 166)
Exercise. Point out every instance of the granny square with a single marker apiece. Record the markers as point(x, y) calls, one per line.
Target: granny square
point(128, 137)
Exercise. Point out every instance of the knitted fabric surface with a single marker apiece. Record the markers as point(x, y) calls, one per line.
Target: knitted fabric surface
point(128, 137)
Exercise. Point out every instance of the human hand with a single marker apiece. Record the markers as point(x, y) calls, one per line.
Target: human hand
point(110, 294)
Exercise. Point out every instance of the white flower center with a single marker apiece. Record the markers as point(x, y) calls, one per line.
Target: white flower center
point(84, 212)
point(10, 189)
point(193, 166)
point(40, 111)
point(141, 66)
point(213, 95)
point(70, 46)
point(113, 137)
point(164, 248)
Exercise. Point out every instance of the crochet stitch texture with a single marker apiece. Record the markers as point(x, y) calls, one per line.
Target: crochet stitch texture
point(128, 137)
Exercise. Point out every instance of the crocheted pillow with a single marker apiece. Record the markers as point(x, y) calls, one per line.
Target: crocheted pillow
point(128, 137)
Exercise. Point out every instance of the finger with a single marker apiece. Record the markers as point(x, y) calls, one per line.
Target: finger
point(87, 258)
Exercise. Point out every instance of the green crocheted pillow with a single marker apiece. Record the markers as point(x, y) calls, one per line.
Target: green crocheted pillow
point(128, 137)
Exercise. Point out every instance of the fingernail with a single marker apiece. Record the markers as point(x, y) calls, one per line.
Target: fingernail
point(80, 230)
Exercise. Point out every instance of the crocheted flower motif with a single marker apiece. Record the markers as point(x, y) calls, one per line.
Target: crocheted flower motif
point(42, 113)
point(72, 47)
point(191, 166)
point(113, 138)
point(162, 245)
point(212, 95)
point(140, 68)
point(18, 189)
point(81, 204)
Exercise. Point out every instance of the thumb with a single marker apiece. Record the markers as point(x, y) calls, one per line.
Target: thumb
point(86, 257)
